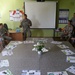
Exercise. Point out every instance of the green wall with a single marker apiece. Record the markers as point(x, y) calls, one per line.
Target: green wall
point(7, 5)
point(67, 4)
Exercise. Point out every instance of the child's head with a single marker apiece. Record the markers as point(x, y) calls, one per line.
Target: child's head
point(69, 22)
point(74, 15)
point(24, 16)
point(1, 25)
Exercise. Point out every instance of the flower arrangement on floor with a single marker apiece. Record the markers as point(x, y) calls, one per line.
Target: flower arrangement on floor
point(39, 47)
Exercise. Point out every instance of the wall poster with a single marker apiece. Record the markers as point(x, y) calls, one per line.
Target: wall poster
point(63, 16)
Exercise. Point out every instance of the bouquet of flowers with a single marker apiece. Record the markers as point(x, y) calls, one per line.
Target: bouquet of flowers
point(39, 46)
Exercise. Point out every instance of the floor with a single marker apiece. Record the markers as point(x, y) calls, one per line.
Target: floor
point(58, 39)
point(55, 39)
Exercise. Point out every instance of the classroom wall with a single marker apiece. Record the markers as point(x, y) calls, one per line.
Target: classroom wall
point(6, 5)
point(67, 4)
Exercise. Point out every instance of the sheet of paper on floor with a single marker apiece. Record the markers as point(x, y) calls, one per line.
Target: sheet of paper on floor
point(27, 42)
point(6, 72)
point(57, 73)
point(4, 63)
point(56, 42)
point(68, 52)
point(10, 47)
point(44, 40)
point(70, 59)
point(31, 72)
point(7, 53)
point(63, 46)
point(71, 69)
point(17, 43)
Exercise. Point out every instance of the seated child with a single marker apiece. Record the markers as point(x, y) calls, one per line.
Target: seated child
point(3, 32)
point(66, 32)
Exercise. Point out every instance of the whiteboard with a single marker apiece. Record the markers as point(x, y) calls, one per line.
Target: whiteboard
point(42, 14)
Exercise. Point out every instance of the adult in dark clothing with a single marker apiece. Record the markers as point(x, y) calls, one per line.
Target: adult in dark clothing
point(26, 23)
point(72, 40)
point(73, 21)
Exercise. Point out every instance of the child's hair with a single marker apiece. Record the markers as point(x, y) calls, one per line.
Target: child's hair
point(70, 21)
point(5, 26)
point(1, 24)
point(74, 13)
point(25, 15)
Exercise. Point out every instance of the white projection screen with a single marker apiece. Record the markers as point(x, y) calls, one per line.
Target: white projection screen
point(42, 14)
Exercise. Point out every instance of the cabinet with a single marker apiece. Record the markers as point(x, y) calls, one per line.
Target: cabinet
point(16, 36)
